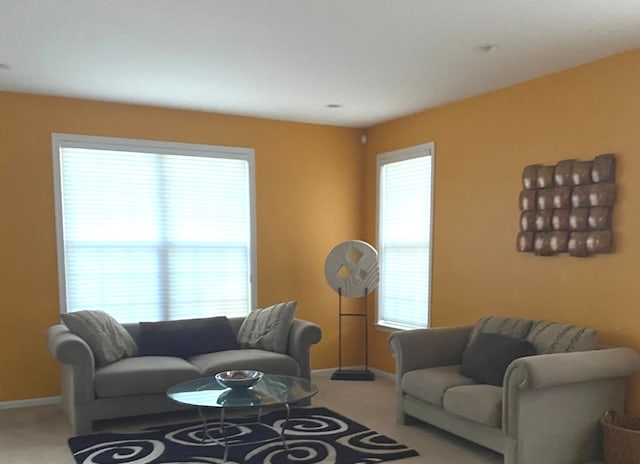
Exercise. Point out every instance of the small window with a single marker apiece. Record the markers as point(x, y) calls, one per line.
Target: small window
point(405, 186)
point(153, 231)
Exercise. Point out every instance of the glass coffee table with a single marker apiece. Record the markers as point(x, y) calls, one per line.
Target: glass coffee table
point(272, 390)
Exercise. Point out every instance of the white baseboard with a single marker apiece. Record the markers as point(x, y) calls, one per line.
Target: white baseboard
point(30, 402)
point(387, 375)
point(56, 399)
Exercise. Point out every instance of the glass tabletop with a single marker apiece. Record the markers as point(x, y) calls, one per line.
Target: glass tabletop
point(271, 390)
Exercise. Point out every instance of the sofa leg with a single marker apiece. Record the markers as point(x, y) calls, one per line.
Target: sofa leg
point(81, 425)
point(509, 455)
point(406, 419)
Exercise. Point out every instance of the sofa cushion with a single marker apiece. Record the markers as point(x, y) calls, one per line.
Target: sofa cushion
point(107, 338)
point(142, 375)
point(479, 403)
point(486, 359)
point(551, 337)
point(260, 360)
point(431, 384)
point(513, 327)
point(268, 328)
point(186, 337)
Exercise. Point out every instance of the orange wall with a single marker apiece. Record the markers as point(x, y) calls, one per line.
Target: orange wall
point(308, 195)
point(482, 145)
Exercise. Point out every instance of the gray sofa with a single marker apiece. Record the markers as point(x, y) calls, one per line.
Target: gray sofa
point(549, 405)
point(137, 385)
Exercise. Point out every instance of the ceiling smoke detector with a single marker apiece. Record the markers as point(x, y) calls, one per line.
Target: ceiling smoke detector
point(485, 48)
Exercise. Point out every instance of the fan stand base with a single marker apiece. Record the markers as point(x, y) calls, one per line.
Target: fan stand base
point(345, 374)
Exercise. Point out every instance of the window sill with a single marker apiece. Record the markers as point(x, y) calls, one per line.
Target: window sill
point(394, 328)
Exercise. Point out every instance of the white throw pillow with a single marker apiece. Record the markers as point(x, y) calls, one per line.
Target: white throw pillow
point(268, 328)
point(106, 337)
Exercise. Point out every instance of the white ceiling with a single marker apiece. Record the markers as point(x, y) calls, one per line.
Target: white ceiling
point(288, 59)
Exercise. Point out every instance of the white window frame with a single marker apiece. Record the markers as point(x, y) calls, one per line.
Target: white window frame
point(61, 140)
point(427, 149)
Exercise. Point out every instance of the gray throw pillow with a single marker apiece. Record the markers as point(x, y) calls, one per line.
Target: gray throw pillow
point(510, 326)
point(108, 339)
point(185, 338)
point(486, 359)
point(268, 328)
point(551, 337)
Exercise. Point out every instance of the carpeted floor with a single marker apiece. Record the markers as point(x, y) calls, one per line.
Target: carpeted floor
point(38, 435)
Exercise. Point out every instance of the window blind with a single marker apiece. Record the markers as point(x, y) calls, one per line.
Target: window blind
point(404, 237)
point(152, 236)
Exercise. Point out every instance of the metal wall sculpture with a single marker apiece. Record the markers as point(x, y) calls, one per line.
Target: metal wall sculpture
point(567, 207)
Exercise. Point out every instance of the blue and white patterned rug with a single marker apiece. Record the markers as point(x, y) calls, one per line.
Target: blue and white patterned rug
point(313, 435)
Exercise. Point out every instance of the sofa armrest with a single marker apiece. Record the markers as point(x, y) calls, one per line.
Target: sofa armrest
point(423, 348)
point(68, 348)
point(550, 370)
point(573, 388)
point(302, 335)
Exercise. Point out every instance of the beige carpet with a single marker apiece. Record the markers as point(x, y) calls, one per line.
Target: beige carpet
point(38, 435)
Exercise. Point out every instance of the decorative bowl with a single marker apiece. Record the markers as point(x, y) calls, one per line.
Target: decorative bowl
point(239, 379)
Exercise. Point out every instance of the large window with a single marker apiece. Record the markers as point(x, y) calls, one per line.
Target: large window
point(405, 184)
point(153, 230)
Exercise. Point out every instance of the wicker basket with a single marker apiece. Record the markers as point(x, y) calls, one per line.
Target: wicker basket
point(621, 438)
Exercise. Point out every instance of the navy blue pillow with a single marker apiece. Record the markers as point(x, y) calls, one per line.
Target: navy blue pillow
point(186, 337)
point(486, 358)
